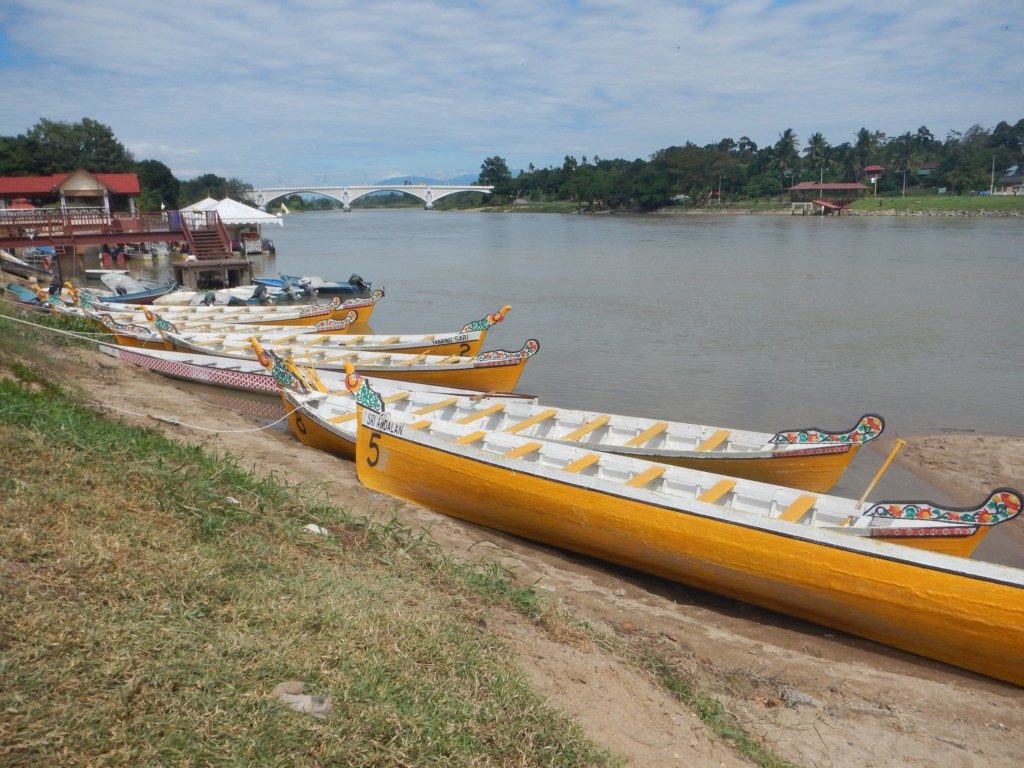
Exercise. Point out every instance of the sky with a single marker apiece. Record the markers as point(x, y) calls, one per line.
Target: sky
point(326, 92)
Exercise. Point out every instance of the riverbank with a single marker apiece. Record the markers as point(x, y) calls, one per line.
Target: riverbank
point(924, 206)
point(608, 649)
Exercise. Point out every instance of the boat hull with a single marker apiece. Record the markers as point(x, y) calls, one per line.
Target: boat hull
point(814, 470)
point(863, 588)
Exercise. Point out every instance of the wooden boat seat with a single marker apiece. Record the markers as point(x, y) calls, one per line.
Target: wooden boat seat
point(586, 429)
point(582, 463)
point(451, 359)
point(396, 397)
point(718, 490)
point(412, 360)
point(351, 341)
point(436, 406)
point(795, 511)
point(472, 437)
point(713, 441)
point(342, 418)
point(482, 414)
point(647, 435)
point(535, 419)
point(647, 476)
point(522, 450)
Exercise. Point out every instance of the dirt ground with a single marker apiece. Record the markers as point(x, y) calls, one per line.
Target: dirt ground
point(814, 696)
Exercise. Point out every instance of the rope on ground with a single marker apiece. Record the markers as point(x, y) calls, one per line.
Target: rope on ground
point(82, 335)
point(172, 421)
point(177, 423)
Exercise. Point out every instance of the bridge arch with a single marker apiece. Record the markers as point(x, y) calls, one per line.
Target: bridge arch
point(428, 193)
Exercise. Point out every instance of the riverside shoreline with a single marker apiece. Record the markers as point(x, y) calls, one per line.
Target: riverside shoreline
point(878, 704)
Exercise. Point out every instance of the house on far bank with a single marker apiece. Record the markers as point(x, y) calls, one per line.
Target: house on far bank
point(77, 189)
point(1010, 183)
point(829, 197)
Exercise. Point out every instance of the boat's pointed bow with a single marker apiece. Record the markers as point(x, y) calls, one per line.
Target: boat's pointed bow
point(361, 391)
point(1002, 504)
point(870, 426)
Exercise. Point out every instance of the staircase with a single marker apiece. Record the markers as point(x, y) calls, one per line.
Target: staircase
point(208, 240)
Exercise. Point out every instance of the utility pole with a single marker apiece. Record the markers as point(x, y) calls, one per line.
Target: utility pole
point(992, 180)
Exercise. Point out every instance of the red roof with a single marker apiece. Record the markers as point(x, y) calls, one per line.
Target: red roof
point(815, 186)
point(874, 168)
point(36, 186)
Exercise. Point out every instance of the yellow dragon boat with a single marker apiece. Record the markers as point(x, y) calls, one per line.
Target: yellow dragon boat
point(811, 459)
point(290, 315)
point(820, 558)
point(333, 335)
point(494, 371)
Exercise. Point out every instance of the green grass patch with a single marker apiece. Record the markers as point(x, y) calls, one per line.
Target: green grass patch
point(948, 204)
point(153, 594)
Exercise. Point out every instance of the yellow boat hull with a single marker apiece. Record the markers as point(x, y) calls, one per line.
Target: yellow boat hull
point(865, 589)
point(814, 472)
point(503, 378)
point(308, 430)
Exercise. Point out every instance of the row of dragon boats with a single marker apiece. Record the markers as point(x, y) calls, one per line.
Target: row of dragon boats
point(433, 419)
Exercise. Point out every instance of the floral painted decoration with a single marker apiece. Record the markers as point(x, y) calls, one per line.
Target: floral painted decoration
point(502, 357)
point(487, 322)
point(125, 328)
point(281, 374)
point(362, 392)
point(1003, 504)
point(158, 322)
point(868, 428)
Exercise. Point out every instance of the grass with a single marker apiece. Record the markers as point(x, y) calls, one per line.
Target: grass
point(988, 204)
point(154, 594)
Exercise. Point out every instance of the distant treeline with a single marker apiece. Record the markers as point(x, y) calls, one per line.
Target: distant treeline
point(963, 162)
point(740, 170)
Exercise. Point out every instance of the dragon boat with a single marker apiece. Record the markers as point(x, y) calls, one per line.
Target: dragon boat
point(811, 459)
point(297, 314)
point(825, 559)
point(233, 340)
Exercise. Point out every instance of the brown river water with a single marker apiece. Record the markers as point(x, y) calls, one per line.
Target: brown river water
point(755, 322)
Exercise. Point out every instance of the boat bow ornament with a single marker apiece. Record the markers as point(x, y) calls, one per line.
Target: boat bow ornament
point(869, 427)
point(346, 195)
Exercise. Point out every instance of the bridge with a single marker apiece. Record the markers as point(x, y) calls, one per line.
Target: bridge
point(428, 193)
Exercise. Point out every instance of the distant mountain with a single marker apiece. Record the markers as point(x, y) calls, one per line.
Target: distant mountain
point(466, 178)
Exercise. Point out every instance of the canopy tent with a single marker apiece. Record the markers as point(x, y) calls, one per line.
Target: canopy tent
point(206, 204)
point(234, 213)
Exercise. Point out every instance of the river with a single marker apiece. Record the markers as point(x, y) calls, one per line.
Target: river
point(756, 322)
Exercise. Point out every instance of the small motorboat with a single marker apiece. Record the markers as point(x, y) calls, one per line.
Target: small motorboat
point(355, 286)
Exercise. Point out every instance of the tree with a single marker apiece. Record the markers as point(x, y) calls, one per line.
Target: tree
point(817, 153)
point(87, 144)
point(863, 148)
point(904, 157)
point(158, 185)
point(494, 172)
point(785, 157)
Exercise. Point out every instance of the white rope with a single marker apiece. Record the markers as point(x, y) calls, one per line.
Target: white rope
point(83, 335)
point(177, 423)
point(172, 421)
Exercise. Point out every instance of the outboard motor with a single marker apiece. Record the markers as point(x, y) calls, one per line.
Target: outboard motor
point(260, 294)
point(209, 299)
point(357, 282)
point(288, 290)
point(121, 290)
point(55, 288)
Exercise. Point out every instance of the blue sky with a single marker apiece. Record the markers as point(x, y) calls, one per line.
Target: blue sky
point(333, 91)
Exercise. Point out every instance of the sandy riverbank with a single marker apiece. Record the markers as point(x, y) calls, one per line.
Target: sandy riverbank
point(871, 705)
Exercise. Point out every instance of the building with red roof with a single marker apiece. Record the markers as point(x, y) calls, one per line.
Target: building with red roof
point(839, 193)
point(76, 189)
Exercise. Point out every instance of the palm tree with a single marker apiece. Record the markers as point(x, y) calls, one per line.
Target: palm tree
point(864, 147)
point(846, 161)
point(904, 157)
point(785, 154)
point(817, 153)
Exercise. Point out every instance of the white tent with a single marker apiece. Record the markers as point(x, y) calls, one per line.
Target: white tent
point(206, 204)
point(233, 213)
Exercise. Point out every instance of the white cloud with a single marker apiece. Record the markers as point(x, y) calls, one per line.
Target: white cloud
point(302, 90)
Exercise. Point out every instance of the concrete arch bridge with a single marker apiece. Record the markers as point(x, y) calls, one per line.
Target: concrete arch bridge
point(428, 193)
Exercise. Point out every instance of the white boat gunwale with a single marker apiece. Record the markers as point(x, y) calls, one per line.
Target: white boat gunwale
point(825, 536)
